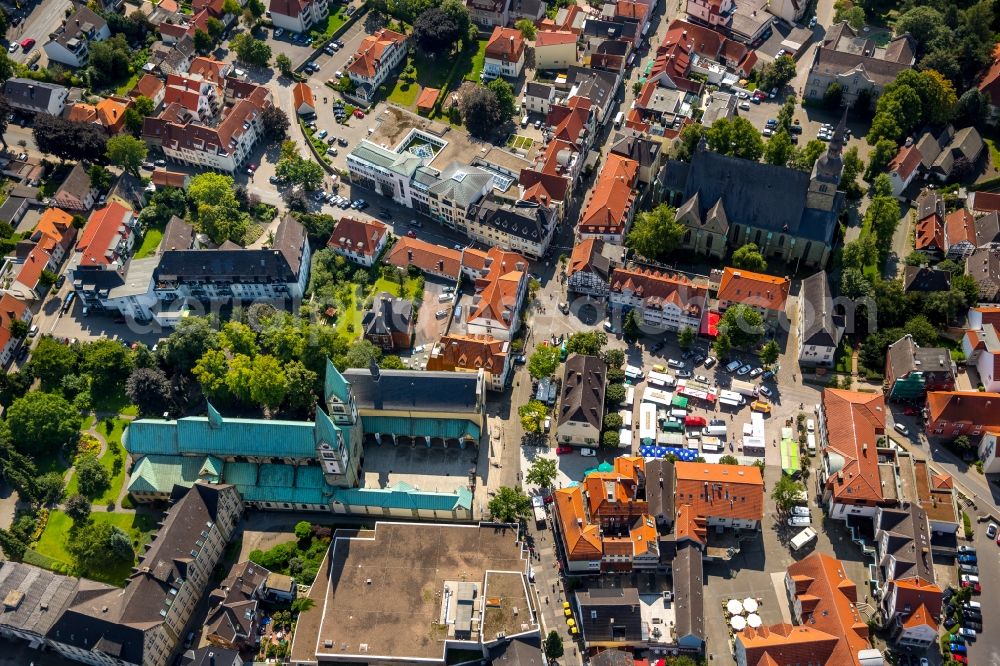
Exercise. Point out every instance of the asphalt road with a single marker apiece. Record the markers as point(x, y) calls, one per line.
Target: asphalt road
point(43, 21)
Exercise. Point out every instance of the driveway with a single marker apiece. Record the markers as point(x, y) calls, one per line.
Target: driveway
point(44, 19)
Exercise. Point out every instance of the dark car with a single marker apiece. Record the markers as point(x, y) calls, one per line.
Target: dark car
point(60, 281)
point(342, 141)
point(972, 624)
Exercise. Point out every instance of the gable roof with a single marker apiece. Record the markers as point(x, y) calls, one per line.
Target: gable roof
point(368, 58)
point(469, 352)
point(612, 198)
point(720, 491)
point(77, 183)
point(587, 255)
point(906, 161)
point(974, 407)
point(293, 8)
point(581, 538)
point(854, 423)
point(545, 38)
point(925, 279)
point(583, 390)
point(303, 94)
point(815, 303)
point(754, 289)
point(428, 97)
point(505, 44)
point(425, 256)
point(657, 289)
point(498, 292)
point(102, 233)
point(959, 226)
point(387, 315)
point(358, 236)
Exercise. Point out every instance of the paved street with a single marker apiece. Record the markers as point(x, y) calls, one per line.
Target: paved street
point(44, 19)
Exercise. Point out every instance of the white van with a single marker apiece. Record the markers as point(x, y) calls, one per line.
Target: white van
point(678, 413)
point(803, 538)
point(626, 415)
point(630, 396)
point(714, 431)
point(619, 117)
point(811, 442)
point(524, 120)
point(633, 373)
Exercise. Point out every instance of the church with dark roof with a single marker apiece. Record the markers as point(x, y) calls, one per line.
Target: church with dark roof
point(726, 202)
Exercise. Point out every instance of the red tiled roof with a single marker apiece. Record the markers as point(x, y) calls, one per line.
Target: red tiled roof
point(972, 407)
point(581, 538)
point(581, 256)
point(960, 226)
point(210, 69)
point(164, 178)
point(148, 86)
point(104, 226)
point(630, 9)
point(303, 94)
point(612, 198)
point(754, 289)
point(292, 8)
point(34, 264)
point(505, 44)
point(500, 289)
point(990, 85)
point(427, 98)
point(425, 256)
point(854, 423)
point(469, 352)
point(929, 234)
point(553, 37)
point(358, 236)
point(11, 309)
point(80, 112)
point(985, 202)
point(655, 289)
point(924, 597)
point(905, 161)
point(723, 491)
point(372, 49)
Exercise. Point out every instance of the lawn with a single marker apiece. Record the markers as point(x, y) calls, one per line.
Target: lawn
point(115, 472)
point(150, 241)
point(519, 142)
point(477, 61)
point(994, 143)
point(333, 22)
point(843, 358)
point(391, 286)
point(114, 402)
point(353, 314)
point(52, 544)
point(439, 73)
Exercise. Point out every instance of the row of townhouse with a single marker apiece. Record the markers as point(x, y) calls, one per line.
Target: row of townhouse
point(144, 623)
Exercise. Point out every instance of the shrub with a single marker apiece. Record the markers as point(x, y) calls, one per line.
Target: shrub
point(967, 525)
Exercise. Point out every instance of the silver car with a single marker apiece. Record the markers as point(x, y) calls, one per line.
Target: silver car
point(800, 511)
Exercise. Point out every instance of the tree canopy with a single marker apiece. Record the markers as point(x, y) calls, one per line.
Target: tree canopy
point(743, 325)
point(69, 140)
point(736, 137)
point(252, 51)
point(509, 505)
point(543, 361)
point(41, 423)
point(216, 209)
point(656, 234)
point(748, 257)
point(542, 472)
point(481, 111)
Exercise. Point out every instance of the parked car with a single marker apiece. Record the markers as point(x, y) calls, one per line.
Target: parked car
point(901, 429)
point(733, 366)
point(588, 453)
point(974, 625)
point(701, 378)
point(756, 372)
point(743, 370)
point(799, 521)
point(411, 233)
point(968, 558)
point(710, 361)
point(674, 363)
point(991, 530)
point(800, 511)
point(441, 314)
point(684, 374)
point(957, 648)
point(27, 43)
point(765, 391)
point(968, 569)
point(698, 359)
point(966, 549)
point(563, 450)
point(761, 406)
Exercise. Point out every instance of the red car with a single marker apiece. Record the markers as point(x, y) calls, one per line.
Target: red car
point(695, 421)
point(27, 43)
point(358, 113)
point(550, 498)
point(562, 450)
point(960, 658)
point(976, 587)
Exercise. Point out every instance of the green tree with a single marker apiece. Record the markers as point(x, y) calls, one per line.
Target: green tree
point(188, 343)
point(924, 24)
point(881, 186)
point(100, 178)
point(972, 108)
point(149, 390)
point(543, 362)
point(481, 111)
point(610, 439)
point(769, 352)
point(284, 64)
point(532, 416)
point(613, 421)
point(854, 284)
point(542, 472)
point(553, 646)
point(77, 507)
point(18, 329)
point(361, 354)
point(527, 28)
point(614, 394)
point(656, 234)
point(509, 505)
point(853, 166)
point(632, 326)
point(99, 545)
point(878, 161)
point(805, 157)
point(203, 42)
point(728, 460)
point(51, 488)
point(749, 258)
point(589, 343)
point(217, 211)
point(41, 423)
point(686, 337)
point(211, 371)
point(505, 98)
point(301, 385)
point(93, 479)
point(239, 374)
point(615, 358)
point(13, 546)
point(238, 338)
point(779, 148)
point(833, 96)
point(688, 141)
point(743, 325)
point(107, 362)
point(882, 217)
point(846, 10)
point(303, 530)
point(299, 170)
point(737, 138)
point(923, 331)
point(860, 252)
point(777, 73)
point(249, 50)
point(786, 493)
point(274, 122)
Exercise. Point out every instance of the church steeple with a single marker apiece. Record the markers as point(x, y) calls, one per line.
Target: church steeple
point(839, 136)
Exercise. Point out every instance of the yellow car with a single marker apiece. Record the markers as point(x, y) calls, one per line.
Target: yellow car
point(761, 406)
point(659, 368)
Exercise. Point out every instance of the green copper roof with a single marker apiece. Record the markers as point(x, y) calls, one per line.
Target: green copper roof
point(418, 427)
point(404, 498)
point(160, 473)
point(335, 385)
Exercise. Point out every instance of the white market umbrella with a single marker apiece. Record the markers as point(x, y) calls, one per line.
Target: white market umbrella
point(738, 622)
point(734, 607)
point(754, 620)
point(750, 605)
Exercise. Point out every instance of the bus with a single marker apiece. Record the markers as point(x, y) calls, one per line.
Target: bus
point(647, 423)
